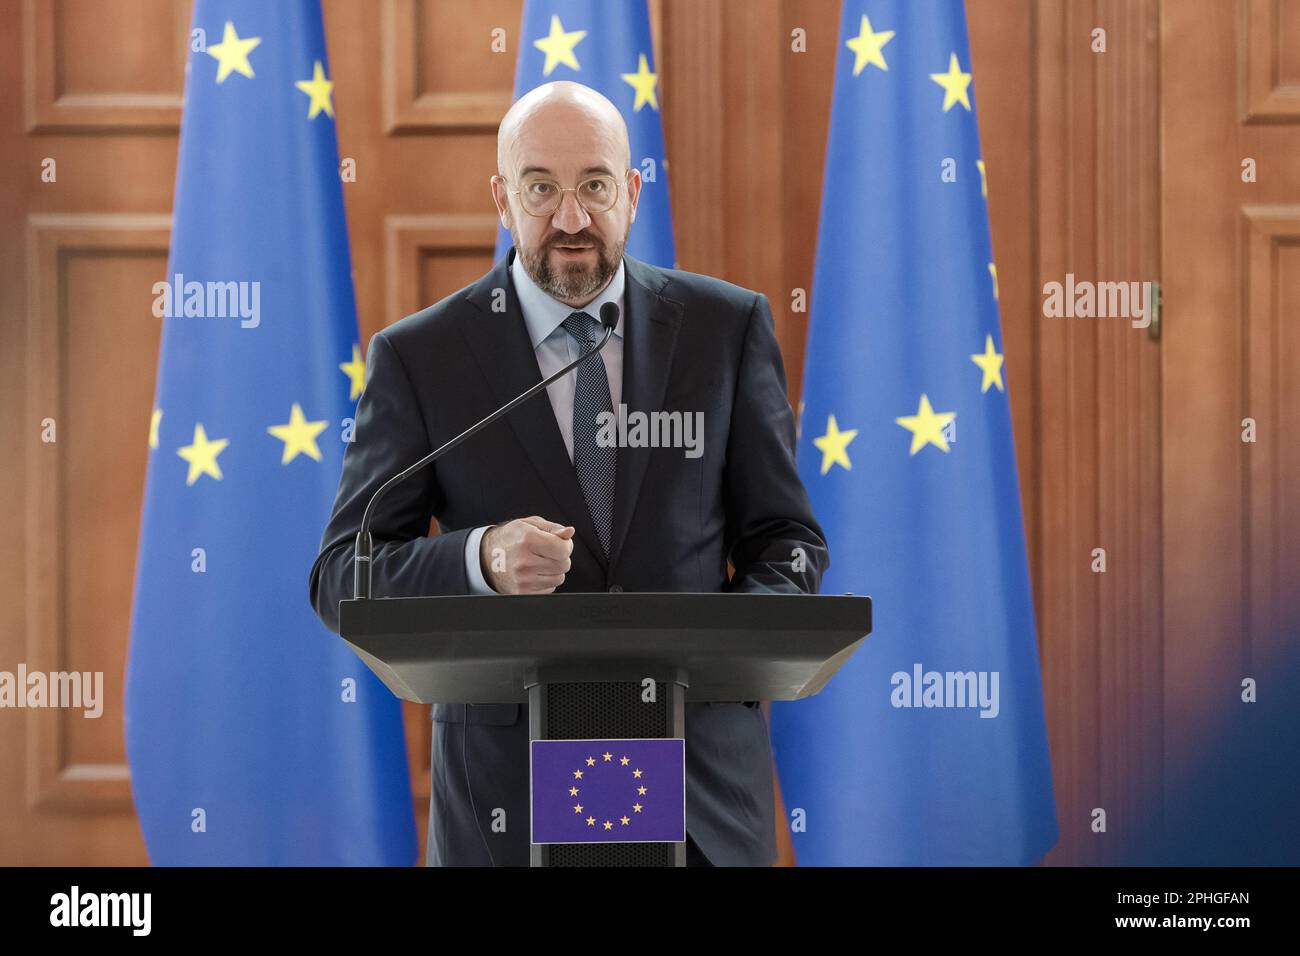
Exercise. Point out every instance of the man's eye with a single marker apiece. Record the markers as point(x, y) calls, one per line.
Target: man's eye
point(539, 189)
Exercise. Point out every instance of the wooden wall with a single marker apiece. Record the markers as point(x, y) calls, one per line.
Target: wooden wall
point(1114, 166)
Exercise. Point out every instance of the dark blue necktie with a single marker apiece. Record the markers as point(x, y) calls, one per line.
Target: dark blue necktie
point(596, 466)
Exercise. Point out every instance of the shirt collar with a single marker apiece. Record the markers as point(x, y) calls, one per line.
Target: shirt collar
point(543, 314)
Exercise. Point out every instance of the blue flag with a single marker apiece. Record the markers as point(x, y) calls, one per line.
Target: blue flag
point(608, 791)
point(929, 747)
point(606, 46)
point(254, 735)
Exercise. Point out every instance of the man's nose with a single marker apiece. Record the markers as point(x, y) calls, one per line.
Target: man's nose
point(571, 217)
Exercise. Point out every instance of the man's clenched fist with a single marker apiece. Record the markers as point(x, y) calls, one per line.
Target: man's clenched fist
point(526, 556)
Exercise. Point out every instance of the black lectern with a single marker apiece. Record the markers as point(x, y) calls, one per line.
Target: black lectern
point(606, 665)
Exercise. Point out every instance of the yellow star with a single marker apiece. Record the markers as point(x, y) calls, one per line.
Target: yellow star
point(591, 821)
point(608, 756)
point(636, 773)
point(867, 45)
point(991, 363)
point(299, 436)
point(573, 791)
point(643, 81)
point(577, 808)
point(591, 761)
point(318, 88)
point(834, 445)
point(624, 761)
point(356, 373)
point(154, 421)
point(624, 820)
point(232, 53)
point(954, 83)
point(558, 46)
point(993, 271)
point(984, 180)
point(926, 426)
point(577, 774)
point(640, 791)
point(636, 807)
point(202, 456)
point(608, 825)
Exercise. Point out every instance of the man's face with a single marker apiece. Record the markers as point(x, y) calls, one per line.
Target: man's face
point(572, 253)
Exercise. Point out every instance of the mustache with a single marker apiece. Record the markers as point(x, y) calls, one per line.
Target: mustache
point(574, 240)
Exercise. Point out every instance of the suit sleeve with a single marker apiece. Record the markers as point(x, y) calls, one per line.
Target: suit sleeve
point(773, 541)
point(390, 435)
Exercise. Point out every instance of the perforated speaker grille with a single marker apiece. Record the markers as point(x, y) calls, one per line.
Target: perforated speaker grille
point(600, 709)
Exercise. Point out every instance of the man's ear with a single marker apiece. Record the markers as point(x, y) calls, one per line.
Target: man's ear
point(502, 201)
point(634, 192)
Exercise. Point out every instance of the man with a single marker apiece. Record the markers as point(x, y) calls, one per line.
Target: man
point(537, 502)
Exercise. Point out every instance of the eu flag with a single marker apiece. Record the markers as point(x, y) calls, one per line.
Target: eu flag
point(608, 791)
point(929, 747)
point(606, 46)
point(255, 737)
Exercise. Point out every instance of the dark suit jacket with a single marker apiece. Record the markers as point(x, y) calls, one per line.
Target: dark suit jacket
point(691, 343)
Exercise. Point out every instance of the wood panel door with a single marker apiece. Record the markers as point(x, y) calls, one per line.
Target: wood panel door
point(418, 96)
point(1231, 352)
point(87, 160)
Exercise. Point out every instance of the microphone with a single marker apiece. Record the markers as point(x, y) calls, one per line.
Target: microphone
point(364, 550)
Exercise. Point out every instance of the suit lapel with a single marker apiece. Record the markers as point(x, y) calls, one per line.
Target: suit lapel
point(651, 326)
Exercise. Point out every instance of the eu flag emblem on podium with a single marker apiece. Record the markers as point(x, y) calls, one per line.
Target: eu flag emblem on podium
point(254, 735)
point(608, 791)
point(929, 747)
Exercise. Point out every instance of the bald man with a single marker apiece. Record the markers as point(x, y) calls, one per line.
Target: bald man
point(542, 501)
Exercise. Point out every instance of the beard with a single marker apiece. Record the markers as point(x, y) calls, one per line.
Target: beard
point(573, 280)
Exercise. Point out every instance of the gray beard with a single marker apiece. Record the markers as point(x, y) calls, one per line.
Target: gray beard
point(575, 280)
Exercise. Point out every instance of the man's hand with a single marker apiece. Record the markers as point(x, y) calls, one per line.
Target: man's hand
point(534, 555)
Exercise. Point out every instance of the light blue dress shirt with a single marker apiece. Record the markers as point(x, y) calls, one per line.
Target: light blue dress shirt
point(555, 348)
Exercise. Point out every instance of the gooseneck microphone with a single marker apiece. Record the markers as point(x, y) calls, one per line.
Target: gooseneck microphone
point(363, 553)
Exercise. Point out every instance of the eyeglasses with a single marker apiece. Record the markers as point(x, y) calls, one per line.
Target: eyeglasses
point(541, 197)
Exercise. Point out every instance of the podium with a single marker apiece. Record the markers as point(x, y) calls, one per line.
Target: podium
point(605, 665)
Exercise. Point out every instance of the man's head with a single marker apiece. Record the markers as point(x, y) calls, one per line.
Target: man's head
point(561, 139)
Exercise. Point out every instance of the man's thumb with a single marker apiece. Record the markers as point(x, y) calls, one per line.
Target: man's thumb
point(544, 524)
